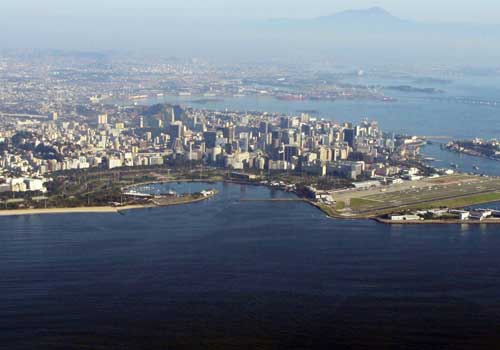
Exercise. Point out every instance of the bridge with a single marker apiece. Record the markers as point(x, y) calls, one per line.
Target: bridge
point(468, 100)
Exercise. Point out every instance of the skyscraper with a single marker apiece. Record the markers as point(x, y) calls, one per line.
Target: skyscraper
point(176, 130)
point(285, 123)
point(229, 133)
point(264, 127)
point(102, 119)
point(350, 136)
point(53, 116)
point(210, 138)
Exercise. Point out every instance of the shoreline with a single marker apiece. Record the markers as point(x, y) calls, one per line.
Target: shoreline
point(439, 222)
point(335, 216)
point(98, 209)
point(46, 211)
point(329, 212)
point(472, 153)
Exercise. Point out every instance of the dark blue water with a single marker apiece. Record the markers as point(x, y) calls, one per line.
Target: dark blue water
point(234, 274)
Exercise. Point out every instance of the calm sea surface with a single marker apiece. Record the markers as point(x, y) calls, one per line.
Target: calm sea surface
point(236, 274)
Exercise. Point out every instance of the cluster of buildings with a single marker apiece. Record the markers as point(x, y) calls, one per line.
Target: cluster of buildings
point(154, 136)
point(67, 112)
point(447, 214)
point(35, 83)
point(23, 184)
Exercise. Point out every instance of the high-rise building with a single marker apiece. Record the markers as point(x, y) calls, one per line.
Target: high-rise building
point(175, 130)
point(53, 116)
point(102, 119)
point(229, 132)
point(170, 118)
point(290, 151)
point(285, 123)
point(306, 129)
point(264, 127)
point(244, 141)
point(305, 118)
point(177, 114)
point(325, 154)
point(210, 138)
point(350, 136)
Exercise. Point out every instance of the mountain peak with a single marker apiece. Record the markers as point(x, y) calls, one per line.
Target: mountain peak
point(377, 9)
point(373, 18)
point(372, 13)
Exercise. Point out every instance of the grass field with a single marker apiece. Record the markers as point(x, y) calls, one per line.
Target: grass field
point(362, 203)
point(465, 201)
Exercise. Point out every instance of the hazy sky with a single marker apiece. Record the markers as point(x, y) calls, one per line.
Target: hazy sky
point(230, 29)
point(478, 11)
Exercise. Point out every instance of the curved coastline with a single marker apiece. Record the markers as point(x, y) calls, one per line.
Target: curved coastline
point(120, 209)
point(334, 215)
point(156, 203)
point(102, 209)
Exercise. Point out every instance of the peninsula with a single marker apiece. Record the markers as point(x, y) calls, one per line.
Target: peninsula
point(476, 147)
point(348, 170)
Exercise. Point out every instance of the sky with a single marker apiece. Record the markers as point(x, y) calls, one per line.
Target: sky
point(228, 30)
point(478, 11)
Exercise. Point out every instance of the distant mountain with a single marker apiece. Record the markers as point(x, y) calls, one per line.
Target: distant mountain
point(371, 15)
point(374, 18)
point(357, 37)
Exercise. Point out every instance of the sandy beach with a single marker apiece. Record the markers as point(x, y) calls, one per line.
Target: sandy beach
point(105, 209)
point(17, 212)
point(80, 210)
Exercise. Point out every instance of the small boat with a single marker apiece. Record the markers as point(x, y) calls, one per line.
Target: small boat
point(476, 167)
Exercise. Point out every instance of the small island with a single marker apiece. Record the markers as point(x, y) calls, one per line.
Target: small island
point(476, 147)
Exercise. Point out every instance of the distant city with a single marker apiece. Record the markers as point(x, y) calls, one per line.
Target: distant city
point(68, 114)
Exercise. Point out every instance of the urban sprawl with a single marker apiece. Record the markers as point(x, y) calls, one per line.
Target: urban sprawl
point(69, 128)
